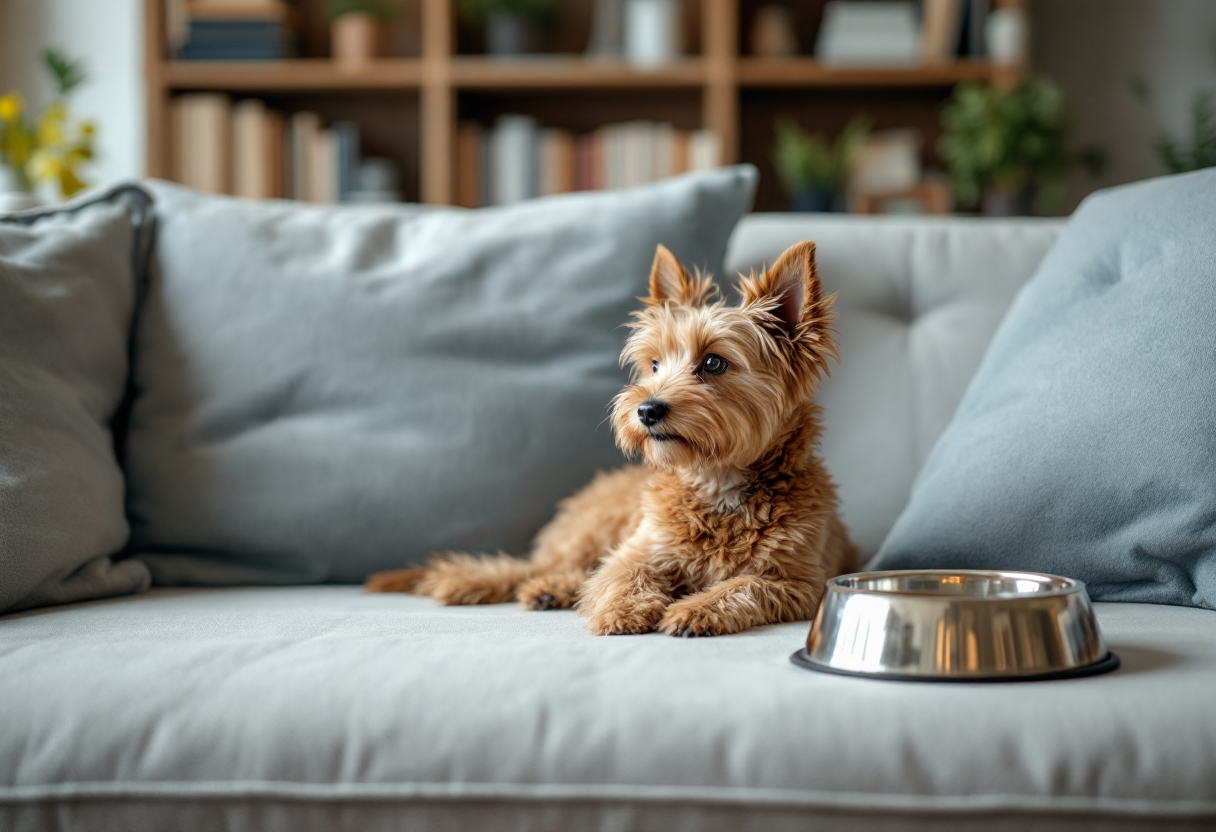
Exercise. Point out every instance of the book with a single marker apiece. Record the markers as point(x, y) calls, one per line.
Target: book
point(251, 161)
point(882, 32)
point(275, 11)
point(322, 161)
point(704, 150)
point(347, 152)
point(202, 142)
point(237, 40)
point(512, 160)
point(941, 30)
point(469, 174)
point(304, 126)
point(555, 162)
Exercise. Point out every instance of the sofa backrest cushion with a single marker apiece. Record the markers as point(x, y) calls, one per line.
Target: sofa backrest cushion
point(1086, 445)
point(68, 281)
point(323, 392)
point(919, 299)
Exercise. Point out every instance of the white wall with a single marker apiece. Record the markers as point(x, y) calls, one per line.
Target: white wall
point(108, 35)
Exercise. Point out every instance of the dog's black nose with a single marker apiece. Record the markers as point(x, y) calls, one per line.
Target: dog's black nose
point(651, 412)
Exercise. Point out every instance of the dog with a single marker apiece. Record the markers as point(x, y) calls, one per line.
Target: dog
point(732, 522)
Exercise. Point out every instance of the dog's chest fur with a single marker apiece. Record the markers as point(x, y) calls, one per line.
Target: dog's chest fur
point(726, 523)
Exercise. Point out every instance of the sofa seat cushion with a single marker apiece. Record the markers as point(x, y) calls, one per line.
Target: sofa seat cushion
point(301, 708)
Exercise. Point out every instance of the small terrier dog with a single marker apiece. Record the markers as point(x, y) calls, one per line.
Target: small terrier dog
point(732, 523)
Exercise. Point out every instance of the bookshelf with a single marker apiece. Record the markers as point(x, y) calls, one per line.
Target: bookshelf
point(409, 105)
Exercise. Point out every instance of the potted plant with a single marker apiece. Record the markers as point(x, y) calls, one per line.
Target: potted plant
point(51, 148)
point(813, 168)
point(357, 29)
point(1007, 149)
point(513, 27)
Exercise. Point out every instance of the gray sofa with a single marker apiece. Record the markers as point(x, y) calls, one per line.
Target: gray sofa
point(327, 708)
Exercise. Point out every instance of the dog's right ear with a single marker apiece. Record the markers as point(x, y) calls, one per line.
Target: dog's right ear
point(668, 280)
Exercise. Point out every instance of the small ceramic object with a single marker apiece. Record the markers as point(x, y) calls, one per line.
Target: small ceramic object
point(509, 35)
point(652, 32)
point(357, 38)
point(773, 34)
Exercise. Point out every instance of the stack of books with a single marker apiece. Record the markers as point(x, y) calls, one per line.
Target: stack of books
point(235, 30)
point(519, 159)
point(954, 28)
point(250, 150)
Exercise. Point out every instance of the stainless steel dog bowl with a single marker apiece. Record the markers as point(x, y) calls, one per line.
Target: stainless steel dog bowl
point(956, 626)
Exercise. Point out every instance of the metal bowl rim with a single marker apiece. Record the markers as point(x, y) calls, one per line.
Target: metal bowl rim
point(1071, 585)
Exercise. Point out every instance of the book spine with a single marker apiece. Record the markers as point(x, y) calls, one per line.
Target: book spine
point(468, 165)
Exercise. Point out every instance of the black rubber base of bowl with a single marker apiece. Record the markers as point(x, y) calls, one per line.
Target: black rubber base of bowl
point(1101, 666)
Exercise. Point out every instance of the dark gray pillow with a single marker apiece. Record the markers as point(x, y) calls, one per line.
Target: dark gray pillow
point(1086, 444)
point(325, 392)
point(67, 292)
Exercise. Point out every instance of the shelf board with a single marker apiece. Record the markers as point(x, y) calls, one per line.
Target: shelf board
point(808, 72)
point(559, 72)
point(292, 76)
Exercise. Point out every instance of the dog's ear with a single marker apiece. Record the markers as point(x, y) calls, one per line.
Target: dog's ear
point(668, 280)
point(791, 292)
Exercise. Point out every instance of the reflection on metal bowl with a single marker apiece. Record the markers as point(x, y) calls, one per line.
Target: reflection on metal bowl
point(956, 625)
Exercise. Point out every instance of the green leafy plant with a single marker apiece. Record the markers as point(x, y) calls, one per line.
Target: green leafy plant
point(1011, 141)
point(1199, 149)
point(804, 160)
point(476, 11)
point(379, 9)
point(51, 147)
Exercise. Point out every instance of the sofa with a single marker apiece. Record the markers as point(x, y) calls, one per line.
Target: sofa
point(319, 706)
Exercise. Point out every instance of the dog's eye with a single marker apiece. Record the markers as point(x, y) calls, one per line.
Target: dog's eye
point(714, 364)
point(654, 365)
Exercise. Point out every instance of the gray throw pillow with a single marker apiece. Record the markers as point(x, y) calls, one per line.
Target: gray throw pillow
point(328, 391)
point(67, 292)
point(1086, 443)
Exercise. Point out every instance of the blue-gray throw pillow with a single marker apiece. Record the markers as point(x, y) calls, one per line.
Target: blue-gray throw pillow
point(323, 392)
point(68, 281)
point(1086, 443)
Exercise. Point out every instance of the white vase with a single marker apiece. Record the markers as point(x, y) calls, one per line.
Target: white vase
point(1006, 35)
point(652, 32)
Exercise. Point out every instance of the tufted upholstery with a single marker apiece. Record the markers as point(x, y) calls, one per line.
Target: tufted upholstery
point(919, 299)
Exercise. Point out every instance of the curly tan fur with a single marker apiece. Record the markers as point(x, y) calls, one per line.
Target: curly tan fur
point(732, 522)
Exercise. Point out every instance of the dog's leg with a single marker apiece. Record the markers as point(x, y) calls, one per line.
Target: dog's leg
point(740, 603)
point(627, 594)
point(552, 590)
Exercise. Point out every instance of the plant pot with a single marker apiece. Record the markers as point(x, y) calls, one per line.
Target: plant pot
point(652, 32)
point(819, 200)
point(509, 35)
point(13, 201)
point(1005, 204)
point(357, 38)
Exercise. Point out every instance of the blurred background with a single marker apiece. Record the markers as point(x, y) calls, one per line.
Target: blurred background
point(994, 106)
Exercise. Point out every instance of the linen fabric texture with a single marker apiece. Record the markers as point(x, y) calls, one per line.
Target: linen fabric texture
point(68, 286)
point(1086, 444)
point(323, 392)
point(291, 709)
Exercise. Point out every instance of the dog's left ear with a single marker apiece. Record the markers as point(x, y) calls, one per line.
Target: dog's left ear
point(793, 282)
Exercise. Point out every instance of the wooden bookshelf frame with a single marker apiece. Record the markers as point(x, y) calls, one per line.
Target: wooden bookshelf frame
point(438, 75)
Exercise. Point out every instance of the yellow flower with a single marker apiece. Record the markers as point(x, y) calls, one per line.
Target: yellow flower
point(44, 166)
point(87, 128)
point(10, 106)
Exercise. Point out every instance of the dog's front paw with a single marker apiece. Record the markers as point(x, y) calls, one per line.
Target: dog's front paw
point(692, 617)
point(624, 618)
